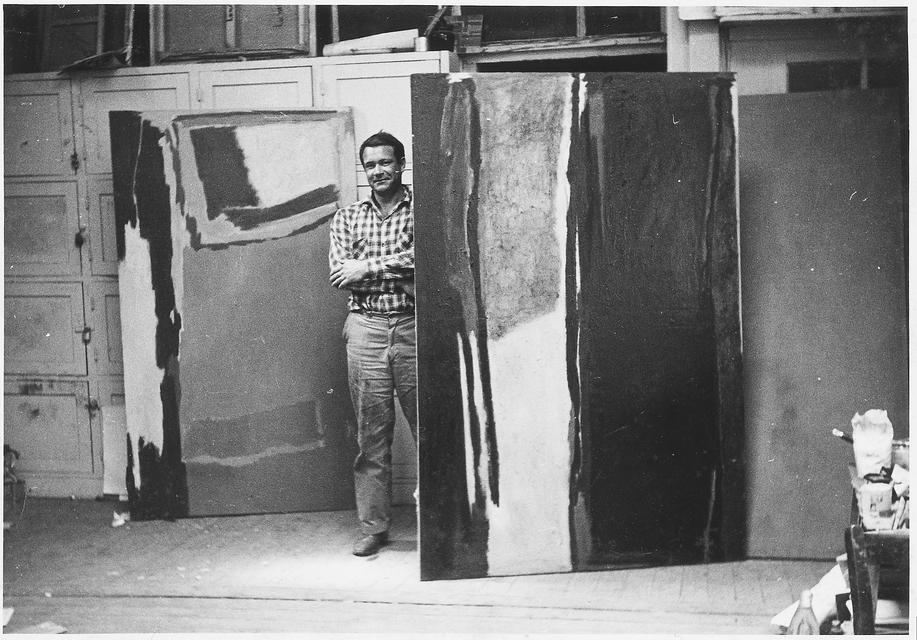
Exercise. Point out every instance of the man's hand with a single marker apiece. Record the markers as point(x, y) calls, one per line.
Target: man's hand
point(407, 286)
point(349, 272)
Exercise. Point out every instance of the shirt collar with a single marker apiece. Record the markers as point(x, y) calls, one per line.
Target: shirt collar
point(406, 198)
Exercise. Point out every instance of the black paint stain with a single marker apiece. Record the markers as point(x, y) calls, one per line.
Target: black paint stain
point(33, 388)
point(196, 243)
point(194, 235)
point(251, 218)
point(125, 127)
point(173, 140)
point(129, 481)
point(155, 499)
point(222, 170)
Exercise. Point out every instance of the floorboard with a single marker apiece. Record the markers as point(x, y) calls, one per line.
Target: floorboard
point(64, 563)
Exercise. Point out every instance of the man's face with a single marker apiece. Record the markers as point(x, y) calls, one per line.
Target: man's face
point(383, 169)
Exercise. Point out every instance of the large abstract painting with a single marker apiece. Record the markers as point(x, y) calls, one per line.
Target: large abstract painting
point(234, 371)
point(579, 355)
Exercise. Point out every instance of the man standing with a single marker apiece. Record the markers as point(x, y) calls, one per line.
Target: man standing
point(372, 255)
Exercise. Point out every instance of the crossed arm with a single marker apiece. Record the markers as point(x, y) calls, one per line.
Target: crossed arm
point(364, 274)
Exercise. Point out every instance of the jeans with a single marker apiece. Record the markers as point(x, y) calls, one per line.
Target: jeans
point(381, 361)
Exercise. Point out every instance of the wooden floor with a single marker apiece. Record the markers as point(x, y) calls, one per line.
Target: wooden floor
point(64, 563)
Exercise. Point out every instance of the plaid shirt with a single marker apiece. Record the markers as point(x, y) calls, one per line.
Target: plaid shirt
point(361, 232)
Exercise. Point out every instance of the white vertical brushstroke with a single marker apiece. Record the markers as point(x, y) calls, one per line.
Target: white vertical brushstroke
point(482, 414)
point(141, 375)
point(530, 531)
point(466, 423)
point(583, 93)
point(578, 273)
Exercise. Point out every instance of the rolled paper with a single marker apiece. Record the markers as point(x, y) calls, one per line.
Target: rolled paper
point(378, 43)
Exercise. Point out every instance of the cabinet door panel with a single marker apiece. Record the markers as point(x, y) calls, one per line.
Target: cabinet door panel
point(133, 93)
point(39, 225)
point(48, 423)
point(43, 322)
point(106, 328)
point(103, 243)
point(268, 88)
point(38, 128)
point(113, 420)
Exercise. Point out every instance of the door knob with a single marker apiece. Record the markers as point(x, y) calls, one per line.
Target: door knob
point(86, 333)
point(80, 239)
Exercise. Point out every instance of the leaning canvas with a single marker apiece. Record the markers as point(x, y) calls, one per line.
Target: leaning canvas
point(235, 382)
point(579, 361)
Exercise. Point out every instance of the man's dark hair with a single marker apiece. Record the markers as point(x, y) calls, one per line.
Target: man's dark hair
point(383, 139)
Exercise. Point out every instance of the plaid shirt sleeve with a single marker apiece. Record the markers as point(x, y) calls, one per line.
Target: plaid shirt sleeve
point(340, 244)
point(396, 265)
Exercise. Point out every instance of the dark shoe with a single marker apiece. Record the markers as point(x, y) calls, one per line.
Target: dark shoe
point(369, 545)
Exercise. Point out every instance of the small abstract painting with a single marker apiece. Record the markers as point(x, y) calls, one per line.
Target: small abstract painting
point(235, 379)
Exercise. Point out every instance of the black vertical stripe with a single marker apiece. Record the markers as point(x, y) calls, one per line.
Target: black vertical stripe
point(474, 258)
point(575, 206)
